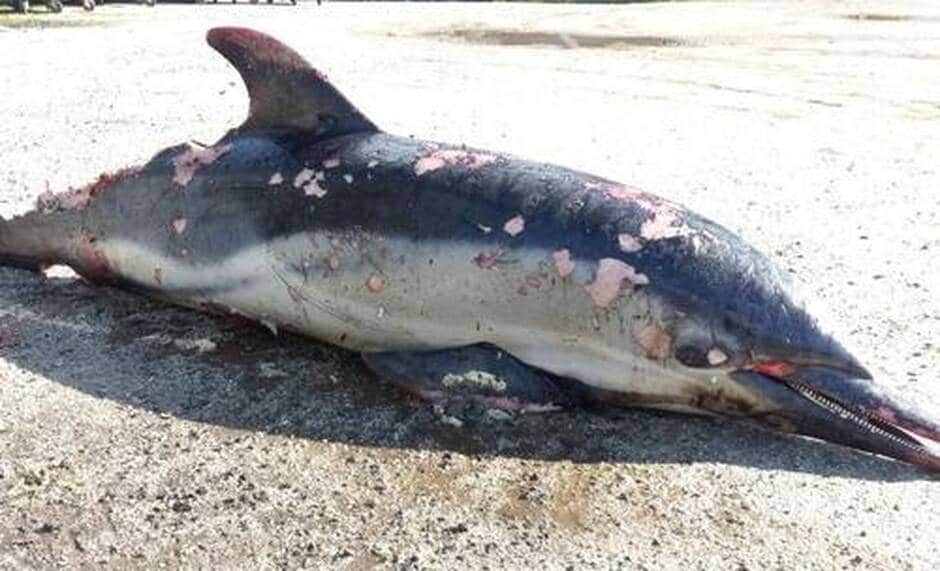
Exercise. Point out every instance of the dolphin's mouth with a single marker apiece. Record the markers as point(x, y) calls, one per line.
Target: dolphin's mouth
point(829, 404)
point(865, 420)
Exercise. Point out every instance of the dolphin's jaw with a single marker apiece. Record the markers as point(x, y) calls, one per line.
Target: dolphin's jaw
point(833, 405)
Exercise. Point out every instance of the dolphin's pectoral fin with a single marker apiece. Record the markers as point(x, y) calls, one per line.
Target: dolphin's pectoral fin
point(285, 92)
point(482, 373)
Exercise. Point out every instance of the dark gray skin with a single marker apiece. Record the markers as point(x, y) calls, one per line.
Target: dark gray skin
point(460, 273)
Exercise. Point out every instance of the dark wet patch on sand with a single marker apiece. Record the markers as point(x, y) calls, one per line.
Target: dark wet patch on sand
point(883, 17)
point(564, 40)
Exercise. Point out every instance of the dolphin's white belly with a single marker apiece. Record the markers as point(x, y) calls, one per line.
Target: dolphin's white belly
point(383, 294)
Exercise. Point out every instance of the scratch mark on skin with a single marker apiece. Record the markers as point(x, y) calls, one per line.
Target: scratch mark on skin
point(629, 244)
point(514, 226)
point(375, 283)
point(441, 158)
point(179, 225)
point(534, 281)
point(563, 262)
point(188, 162)
point(276, 179)
point(607, 282)
point(331, 163)
point(296, 295)
point(655, 341)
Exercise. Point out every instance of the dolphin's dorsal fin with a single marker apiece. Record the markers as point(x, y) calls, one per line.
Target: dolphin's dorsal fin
point(286, 93)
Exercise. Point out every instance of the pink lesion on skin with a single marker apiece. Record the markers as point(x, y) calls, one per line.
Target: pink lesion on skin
point(332, 262)
point(776, 369)
point(303, 177)
point(375, 283)
point(716, 356)
point(487, 260)
point(179, 225)
point(193, 158)
point(80, 198)
point(452, 157)
point(332, 163)
point(665, 218)
point(611, 273)
point(655, 341)
point(563, 263)
point(309, 180)
point(93, 261)
point(664, 224)
point(313, 188)
point(626, 193)
point(629, 244)
point(514, 226)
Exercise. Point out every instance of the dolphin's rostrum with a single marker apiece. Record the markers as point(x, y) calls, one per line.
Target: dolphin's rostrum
point(461, 273)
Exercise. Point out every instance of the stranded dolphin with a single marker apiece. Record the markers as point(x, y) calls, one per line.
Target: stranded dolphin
point(459, 273)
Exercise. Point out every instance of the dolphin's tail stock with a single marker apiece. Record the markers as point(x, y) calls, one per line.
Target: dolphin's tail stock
point(36, 239)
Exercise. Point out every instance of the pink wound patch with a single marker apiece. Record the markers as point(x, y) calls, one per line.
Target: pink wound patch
point(80, 198)
point(716, 356)
point(93, 260)
point(487, 260)
point(664, 224)
point(563, 263)
point(375, 284)
point(776, 369)
point(452, 157)
point(607, 282)
point(514, 226)
point(179, 225)
point(331, 163)
point(629, 244)
point(313, 188)
point(655, 341)
point(332, 262)
point(625, 193)
point(189, 161)
point(303, 177)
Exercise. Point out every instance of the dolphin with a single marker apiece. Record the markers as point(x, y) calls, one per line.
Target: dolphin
point(462, 274)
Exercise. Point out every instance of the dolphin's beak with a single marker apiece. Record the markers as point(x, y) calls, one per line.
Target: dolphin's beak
point(842, 407)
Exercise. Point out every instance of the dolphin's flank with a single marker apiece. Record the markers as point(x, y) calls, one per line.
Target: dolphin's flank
point(461, 273)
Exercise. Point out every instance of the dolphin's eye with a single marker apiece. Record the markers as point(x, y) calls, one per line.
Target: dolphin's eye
point(692, 356)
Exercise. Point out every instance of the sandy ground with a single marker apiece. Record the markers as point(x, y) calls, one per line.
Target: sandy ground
point(134, 434)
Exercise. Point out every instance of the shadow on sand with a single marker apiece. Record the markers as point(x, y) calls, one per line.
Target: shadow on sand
point(118, 346)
